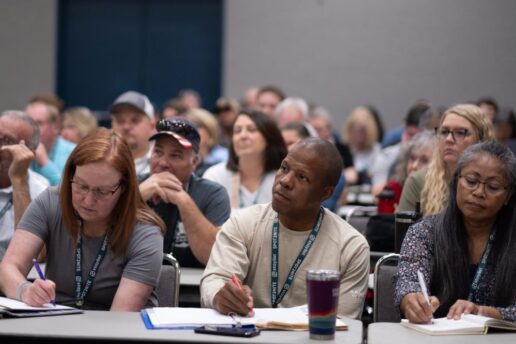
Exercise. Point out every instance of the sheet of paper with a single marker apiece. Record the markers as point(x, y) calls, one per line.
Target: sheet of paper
point(162, 316)
point(20, 306)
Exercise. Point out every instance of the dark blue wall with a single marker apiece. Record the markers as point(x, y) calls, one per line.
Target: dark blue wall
point(157, 47)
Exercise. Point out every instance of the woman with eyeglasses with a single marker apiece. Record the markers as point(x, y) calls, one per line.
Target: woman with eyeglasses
point(466, 252)
point(104, 245)
point(255, 154)
point(461, 126)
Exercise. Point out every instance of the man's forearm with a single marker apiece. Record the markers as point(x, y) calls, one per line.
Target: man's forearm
point(21, 198)
point(201, 233)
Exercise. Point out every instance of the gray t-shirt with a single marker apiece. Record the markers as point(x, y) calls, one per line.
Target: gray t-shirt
point(141, 262)
point(213, 202)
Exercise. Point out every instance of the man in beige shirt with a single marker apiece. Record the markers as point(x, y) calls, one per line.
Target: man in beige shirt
point(308, 237)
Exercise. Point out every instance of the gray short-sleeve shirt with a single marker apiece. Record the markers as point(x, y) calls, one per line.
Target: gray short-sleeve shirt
point(141, 261)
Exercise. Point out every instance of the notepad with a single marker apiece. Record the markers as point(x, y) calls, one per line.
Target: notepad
point(10, 308)
point(265, 318)
point(468, 324)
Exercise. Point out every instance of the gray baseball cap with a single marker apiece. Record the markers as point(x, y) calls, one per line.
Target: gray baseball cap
point(135, 99)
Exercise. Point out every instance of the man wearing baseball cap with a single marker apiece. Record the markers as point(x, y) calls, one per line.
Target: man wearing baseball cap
point(132, 116)
point(192, 207)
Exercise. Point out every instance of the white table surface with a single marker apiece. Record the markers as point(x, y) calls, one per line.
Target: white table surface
point(126, 326)
point(394, 333)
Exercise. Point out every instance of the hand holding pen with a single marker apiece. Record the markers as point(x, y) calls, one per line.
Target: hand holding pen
point(234, 298)
point(42, 291)
point(419, 307)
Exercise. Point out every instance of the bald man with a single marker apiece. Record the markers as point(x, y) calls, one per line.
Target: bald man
point(243, 247)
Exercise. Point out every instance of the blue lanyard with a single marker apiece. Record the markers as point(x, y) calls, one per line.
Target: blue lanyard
point(275, 297)
point(473, 290)
point(7, 205)
point(80, 291)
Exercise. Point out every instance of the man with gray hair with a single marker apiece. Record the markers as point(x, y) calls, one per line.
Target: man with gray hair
point(291, 109)
point(19, 138)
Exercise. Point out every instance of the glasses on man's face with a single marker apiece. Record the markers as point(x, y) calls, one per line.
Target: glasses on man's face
point(457, 134)
point(7, 141)
point(176, 126)
point(99, 194)
point(492, 187)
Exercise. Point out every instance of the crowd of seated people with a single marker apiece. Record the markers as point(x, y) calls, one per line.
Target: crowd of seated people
point(215, 189)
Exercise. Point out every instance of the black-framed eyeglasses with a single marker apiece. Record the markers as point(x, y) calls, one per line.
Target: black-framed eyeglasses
point(98, 193)
point(457, 134)
point(492, 187)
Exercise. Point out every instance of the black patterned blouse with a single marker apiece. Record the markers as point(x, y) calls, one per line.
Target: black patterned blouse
point(417, 254)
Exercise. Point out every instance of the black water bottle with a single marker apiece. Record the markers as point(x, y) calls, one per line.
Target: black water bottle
point(403, 220)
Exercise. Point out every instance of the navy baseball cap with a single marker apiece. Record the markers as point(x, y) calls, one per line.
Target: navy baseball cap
point(181, 129)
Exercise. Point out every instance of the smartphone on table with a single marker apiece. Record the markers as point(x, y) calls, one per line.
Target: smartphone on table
point(236, 331)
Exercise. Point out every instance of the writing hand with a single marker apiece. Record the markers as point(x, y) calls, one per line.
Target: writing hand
point(417, 310)
point(231, 299)
point(39, 293)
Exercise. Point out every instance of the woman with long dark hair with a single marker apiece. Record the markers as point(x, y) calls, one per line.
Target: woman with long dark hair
point(255, 154)
point(466, 252)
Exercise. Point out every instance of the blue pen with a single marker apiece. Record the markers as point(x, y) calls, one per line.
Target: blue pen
point(41, 276)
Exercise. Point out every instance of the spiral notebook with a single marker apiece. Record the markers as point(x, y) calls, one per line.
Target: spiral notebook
point(265, 318)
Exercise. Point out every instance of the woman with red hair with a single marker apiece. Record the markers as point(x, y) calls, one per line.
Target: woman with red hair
point(104, 245)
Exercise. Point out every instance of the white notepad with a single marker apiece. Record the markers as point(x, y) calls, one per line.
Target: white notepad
point(15, 308)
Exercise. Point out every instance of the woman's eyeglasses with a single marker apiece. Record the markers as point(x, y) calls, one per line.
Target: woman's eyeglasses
point(98, 193)
point(457, 134)
point(491, 186)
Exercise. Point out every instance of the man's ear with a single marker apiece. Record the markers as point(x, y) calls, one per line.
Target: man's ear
point(196, 160)
point(327, 192)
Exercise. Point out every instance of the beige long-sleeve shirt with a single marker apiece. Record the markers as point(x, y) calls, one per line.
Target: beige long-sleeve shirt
point(243, 248)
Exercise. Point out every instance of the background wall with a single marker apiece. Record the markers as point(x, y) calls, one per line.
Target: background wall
point(343, 53)
point(27, 50)
point(339, 53)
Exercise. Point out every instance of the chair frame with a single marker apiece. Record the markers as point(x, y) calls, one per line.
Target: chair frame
point(168, 259)
point(386, 258)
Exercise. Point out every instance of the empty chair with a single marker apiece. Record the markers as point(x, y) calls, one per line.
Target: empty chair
point(167, 289)
point(359, 216)
point(383, 305)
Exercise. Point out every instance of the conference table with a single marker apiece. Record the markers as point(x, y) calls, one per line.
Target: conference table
point(128, 327)
point(394, 333)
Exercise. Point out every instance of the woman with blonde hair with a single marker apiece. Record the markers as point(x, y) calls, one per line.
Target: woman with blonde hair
point(461, 126)
point(104, 244)
point(360, 132)
point(210, 151)
point(77, 123)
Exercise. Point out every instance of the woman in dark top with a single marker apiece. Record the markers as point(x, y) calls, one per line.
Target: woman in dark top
point(466, 252)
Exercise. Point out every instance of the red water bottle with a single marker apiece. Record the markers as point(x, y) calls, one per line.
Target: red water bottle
point(386, 201)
